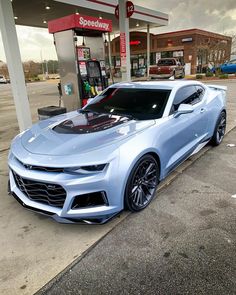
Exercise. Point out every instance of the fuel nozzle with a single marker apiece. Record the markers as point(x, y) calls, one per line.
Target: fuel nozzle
point(87, 88)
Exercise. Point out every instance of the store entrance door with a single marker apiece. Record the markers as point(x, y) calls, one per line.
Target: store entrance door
point(134, 65)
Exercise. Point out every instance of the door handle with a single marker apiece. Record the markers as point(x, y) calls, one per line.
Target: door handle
point(202, 110)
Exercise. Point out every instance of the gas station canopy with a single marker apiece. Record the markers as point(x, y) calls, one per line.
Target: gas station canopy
point(25, 12)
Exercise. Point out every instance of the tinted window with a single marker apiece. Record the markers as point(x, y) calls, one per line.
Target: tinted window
point(200, 93)
point(188, 95)
point(142, 104)
point(184, 94)
point(166, 62)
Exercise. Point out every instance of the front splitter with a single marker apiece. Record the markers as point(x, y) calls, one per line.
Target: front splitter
point(95, 221)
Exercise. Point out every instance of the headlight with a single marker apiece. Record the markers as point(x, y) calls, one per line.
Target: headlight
point(87, 169)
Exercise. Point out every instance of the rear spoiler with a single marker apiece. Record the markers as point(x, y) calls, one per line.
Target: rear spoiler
point(218, 87)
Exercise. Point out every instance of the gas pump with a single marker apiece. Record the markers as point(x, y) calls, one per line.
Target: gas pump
point(82, 67)
point(92, 75)
point(92, 80)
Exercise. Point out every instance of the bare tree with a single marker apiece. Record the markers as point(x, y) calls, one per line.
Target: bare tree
point(4, 69)
point(213, 52)
point(233, 46)
point(31, 69)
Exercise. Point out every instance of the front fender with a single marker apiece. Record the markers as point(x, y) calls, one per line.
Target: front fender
point(127, 163)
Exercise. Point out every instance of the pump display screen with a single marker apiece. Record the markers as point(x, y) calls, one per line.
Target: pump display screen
point(93, 69)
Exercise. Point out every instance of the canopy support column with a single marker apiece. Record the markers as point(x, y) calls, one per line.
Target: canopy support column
point(124, 41)
point(110, 58)
point(148, 50)
point(14, 64)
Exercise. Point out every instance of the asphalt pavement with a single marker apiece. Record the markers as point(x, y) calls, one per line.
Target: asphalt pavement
point(183, 243)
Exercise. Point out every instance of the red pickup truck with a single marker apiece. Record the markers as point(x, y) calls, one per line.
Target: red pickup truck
point(166, 68)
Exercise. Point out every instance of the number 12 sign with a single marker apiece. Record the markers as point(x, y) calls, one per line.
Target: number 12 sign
point(129, 9)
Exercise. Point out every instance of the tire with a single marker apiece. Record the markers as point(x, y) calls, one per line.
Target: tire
point(219, 131)
point(142, 184)
point(183, 75)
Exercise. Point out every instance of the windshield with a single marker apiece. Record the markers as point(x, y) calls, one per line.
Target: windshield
point(142, 104)
point(166, 62)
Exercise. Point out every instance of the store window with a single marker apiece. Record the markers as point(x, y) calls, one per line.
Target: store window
point(117, 62)
point(142, 61)
point(166, 54)
point(152, 58)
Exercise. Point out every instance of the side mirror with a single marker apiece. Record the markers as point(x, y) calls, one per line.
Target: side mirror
point(183, 109)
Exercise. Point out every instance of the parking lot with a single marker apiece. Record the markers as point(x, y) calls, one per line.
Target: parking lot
point(34, 249)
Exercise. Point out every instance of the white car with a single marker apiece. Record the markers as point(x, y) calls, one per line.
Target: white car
point(90, 164)
point(3, 79)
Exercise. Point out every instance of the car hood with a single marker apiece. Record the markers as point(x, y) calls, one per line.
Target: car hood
point(76, 133)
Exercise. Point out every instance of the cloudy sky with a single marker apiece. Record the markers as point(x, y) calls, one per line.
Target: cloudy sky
point(212, 15)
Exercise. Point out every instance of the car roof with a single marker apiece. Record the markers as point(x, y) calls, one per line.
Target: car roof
point(166, 84)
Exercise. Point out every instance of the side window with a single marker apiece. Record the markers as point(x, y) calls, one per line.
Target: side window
point(200, 94)
point(188, 95)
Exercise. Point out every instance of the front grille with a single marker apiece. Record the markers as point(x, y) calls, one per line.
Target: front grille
point(45, 193)
point(41, 168)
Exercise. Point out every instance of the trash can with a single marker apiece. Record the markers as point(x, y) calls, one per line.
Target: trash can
point(50, 111)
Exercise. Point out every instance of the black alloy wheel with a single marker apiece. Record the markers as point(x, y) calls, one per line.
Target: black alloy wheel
point(219, 130)
point(142, 183)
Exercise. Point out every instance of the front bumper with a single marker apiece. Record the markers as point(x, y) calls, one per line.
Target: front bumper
point(74, 185)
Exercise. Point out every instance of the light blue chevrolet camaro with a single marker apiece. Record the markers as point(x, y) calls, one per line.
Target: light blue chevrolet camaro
point(90, 164)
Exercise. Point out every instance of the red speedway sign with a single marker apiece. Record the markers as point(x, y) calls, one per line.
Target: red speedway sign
point(95, 24)
point(79, 21)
